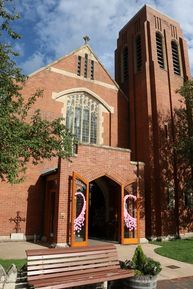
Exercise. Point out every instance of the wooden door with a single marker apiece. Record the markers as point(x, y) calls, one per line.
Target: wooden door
point(79, 219)
point(129, 217)
point(50, 208)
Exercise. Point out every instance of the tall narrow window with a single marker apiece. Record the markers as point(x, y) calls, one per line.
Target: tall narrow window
point(79, 66)
point(175, 57)
point(69, 118)
point(138, 52)
point(125, 63)
point(92, 69)
point(93, 132)
point(77, 122)
point(82, 117)
point(85, 65)
point(159, 45)
point(85, 126)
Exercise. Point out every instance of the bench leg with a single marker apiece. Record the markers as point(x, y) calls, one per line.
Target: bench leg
point(105, 285)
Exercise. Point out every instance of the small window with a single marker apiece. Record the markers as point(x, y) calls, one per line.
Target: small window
point(79, 66)
point(159, 45)
point(175, 57)
point(85, 65)
point(125, 63)
point(92, 69)
point(138, 53)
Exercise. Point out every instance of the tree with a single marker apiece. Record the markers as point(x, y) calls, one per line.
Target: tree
point(184, 117)
point(184, 141)
point(23, 137)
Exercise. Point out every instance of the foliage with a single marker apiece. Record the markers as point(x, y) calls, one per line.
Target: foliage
point(142, 264)
point(181, 250)
point(6, 263)
point(24, 135)
point(184, 121)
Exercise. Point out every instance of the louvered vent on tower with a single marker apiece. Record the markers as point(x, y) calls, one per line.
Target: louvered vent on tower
point(175, 57)
point(159, 45)
point(138, 53)
point(125, 63)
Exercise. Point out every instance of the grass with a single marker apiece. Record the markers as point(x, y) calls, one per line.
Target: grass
point(7, 263)
point(181, 250)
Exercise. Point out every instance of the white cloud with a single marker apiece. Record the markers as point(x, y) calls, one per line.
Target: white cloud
point(19, 48)
point(191, 54)
point(60, 25)
point(35, 61)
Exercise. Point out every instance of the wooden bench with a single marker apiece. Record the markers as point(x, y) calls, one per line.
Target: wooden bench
point(71, 267)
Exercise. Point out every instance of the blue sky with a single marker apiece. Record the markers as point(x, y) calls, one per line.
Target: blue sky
point(53, 28)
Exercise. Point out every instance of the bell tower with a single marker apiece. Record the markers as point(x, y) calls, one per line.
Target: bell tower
point(151, 64)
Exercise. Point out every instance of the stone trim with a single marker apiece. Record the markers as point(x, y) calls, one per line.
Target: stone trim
point(57, 95)
point(73, 75)
point(107, 147)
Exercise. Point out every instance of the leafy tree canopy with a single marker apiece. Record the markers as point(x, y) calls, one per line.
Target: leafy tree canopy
point(23, 137)
point(184, 127)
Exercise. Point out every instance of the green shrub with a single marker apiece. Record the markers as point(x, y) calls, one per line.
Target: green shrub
point(142, 264)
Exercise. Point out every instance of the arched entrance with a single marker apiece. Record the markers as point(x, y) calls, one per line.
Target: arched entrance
point(104, 209)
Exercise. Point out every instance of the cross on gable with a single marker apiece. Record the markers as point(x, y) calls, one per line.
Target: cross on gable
point(86, 39)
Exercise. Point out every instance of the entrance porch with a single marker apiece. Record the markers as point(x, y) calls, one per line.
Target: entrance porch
point(99, 197)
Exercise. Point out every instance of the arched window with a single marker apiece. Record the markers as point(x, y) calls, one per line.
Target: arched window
point(138, 53)
point(125, 64)
point(175, 57)
point(82, 117)
point(159, 46)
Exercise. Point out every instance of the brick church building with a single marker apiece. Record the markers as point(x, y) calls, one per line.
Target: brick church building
point(117, 186)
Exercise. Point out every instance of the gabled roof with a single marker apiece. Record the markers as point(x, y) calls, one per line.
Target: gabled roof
point(75, 52)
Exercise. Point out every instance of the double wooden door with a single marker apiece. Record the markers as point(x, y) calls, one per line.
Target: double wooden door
point(128, 220)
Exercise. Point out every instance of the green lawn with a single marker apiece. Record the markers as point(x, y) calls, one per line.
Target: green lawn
point(7, 263)
point(181, 250)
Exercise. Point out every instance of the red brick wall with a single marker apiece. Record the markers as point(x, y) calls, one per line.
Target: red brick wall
point(51, 81)
point(28, 197)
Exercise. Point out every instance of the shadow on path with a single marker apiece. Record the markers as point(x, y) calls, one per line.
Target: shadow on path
point(179, 283)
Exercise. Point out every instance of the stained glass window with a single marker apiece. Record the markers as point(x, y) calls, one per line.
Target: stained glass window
point(82, 117)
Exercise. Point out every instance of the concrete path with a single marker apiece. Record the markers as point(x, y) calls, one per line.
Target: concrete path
point(16, 250)
point(179, 283)
point(177, 270)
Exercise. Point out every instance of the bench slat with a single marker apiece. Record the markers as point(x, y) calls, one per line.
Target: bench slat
point(63, 269)
point(112, 255)
point(83, 280)
point(53, 256)
point(72, 264)
point(72, 273)
point(39, 252)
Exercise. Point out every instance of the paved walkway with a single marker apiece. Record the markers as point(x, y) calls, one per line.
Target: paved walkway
point(171, 276)
point(170, 268)
point(180, 283)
